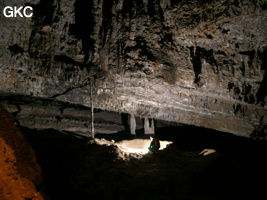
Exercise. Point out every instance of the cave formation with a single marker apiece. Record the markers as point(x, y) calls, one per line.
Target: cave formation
point(200, 63)
point(165, 67)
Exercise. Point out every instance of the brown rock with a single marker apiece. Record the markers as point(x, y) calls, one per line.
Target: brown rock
point(20, 173)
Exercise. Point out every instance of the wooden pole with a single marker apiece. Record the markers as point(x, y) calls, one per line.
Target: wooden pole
point(92, 107)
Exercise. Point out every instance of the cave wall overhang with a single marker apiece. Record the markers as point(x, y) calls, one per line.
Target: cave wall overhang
point(199, 62)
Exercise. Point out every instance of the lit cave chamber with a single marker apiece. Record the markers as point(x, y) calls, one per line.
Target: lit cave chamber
point(84, 84)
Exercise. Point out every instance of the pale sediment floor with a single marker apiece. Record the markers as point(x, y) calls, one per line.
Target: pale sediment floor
point(140, 145)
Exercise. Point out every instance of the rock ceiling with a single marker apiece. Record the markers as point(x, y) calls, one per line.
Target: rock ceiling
point(199, 62)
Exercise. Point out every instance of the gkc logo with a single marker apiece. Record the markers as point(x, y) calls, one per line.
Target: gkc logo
point(18, 11)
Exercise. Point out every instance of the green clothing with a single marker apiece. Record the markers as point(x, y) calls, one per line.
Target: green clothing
point(152, 146)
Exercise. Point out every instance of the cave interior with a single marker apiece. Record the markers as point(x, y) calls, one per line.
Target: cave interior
point(89, 82)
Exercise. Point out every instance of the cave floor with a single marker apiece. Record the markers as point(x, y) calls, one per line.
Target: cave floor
point(74, 168)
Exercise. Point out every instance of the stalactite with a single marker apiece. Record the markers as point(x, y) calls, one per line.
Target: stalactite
point(132, 124)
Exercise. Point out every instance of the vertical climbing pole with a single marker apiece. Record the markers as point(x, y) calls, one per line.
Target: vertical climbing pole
point(92, 107)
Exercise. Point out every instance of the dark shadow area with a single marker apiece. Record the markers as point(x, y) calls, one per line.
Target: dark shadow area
point(123, 135)
point(76, 169)
point(84, 25)
point(262, 92)
point(191, 138)
point(43, 12)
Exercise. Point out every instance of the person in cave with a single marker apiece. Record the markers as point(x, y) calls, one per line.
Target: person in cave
point(154, 144)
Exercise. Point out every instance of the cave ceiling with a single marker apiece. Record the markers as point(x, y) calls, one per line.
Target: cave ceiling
point(199, 62)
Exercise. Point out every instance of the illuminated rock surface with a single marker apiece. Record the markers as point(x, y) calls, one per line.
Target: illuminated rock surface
point(20, 174)
point(201, 63)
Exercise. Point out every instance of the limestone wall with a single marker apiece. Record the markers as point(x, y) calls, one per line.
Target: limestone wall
point(195, 62)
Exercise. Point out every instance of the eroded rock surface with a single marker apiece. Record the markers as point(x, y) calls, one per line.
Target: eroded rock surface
point(200, 62)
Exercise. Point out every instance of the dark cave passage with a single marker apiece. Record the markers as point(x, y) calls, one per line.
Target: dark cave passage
point(76, 169)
